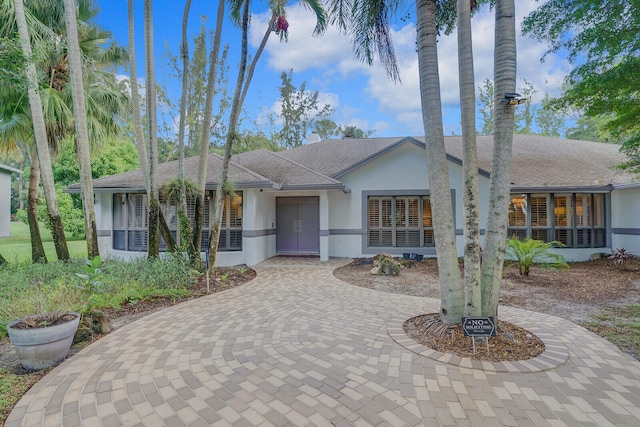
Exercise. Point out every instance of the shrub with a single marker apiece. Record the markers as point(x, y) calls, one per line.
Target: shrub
point(528, 251)
point(620, 257)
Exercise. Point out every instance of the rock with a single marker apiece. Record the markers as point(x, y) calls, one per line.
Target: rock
point(386, 266)
point(597, 256)
point(83, 333)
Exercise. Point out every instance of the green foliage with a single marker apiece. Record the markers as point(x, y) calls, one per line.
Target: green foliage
point(485, 96)
point(56, 295)
point(528, 251)
point(12, 63)
point(605, 53)
point(90, 285)
point(72, 217)
point(28, 288)
point(242, 269)
point(300, 110)
point(114, 156)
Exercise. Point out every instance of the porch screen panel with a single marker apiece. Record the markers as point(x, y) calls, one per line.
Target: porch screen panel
point(234, 224)
point(407, 222)
point(119, 221)
point(563, 219)
point(427, 223)
point(169, 208)
point(399, 221)
point(518, 216)
point(540, 217)
point(599, 230)
point(589, 220)
point(380, 220)
point(137, 218)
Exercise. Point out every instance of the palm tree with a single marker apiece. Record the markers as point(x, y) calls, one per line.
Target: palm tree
point(500, 182)
point(206, 133)
point(240, 13)
point(451, 295)
point(472, 290)
point(153, 247)
point(104, 100)
point(40, 134)
point(368, 23)
point(16, 133)
point(82, 133)
point(184, 224)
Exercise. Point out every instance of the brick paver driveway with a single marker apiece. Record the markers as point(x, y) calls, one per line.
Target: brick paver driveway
point(298, 347)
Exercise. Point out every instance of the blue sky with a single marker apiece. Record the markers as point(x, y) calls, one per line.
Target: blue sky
point(362, 95)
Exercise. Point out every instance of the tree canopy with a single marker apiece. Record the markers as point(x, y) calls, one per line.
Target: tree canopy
point(601, 39)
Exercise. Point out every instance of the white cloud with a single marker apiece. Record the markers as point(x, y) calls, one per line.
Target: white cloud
point(383, 101)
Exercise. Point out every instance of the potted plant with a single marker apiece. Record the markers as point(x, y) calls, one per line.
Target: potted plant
point(45, 323)
point(43, 340)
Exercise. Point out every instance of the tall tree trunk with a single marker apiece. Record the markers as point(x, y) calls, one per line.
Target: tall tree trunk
point(451, 294)
point(238, 100)
point(82, 133)
point(472, 289)
point(153, 249)
point(500, 183)
point(37, 248)
point(184, 224)
point(206, 135)
point(40, 134)
point(141, 144)
point(135, 98)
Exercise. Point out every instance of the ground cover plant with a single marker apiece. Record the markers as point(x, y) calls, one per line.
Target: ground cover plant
point(122, 290)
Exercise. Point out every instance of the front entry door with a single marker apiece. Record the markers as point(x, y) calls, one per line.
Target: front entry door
point(297, 225)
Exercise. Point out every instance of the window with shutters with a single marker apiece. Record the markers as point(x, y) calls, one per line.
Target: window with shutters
point(130, 216)
point(574, 219)
point(399, 221)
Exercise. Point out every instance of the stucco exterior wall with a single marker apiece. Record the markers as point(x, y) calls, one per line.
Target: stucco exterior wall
point(625, 219)
point(402, 169)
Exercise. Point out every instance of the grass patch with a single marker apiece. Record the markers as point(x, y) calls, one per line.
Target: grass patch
point(619, 324)
point(12, 387)
point(17, 247)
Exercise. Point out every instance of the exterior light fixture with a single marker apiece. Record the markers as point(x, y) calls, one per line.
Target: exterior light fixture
point(513, 99)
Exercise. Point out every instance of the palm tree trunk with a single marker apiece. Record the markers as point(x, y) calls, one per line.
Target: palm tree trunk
point(500, 182)
point(451, 294)
point(184, 224)
point(236, 107)
point(82, 133)
point(153, 249)
point(135, 97)
point(40, 133)
point(472, 290)
point(37, 248)
point(206, 135)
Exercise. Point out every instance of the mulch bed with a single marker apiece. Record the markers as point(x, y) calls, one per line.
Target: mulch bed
point(510, 343)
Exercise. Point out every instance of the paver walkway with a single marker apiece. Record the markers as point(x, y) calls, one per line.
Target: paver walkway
point(298, 347)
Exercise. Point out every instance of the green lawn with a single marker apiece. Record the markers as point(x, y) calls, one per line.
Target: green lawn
point(17, 247)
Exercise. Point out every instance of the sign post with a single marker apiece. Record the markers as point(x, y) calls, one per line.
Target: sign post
point(483, 327)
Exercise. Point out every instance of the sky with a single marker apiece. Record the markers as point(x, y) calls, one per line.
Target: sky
point(361, 95)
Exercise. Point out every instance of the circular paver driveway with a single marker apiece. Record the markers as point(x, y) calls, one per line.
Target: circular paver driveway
point(298, 347)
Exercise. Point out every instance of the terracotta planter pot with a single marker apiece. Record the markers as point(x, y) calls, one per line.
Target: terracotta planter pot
point(39, 348)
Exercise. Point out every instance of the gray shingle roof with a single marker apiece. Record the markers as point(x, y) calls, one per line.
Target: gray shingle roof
point(539, 162)
point(283, 172)
point(133, 180)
